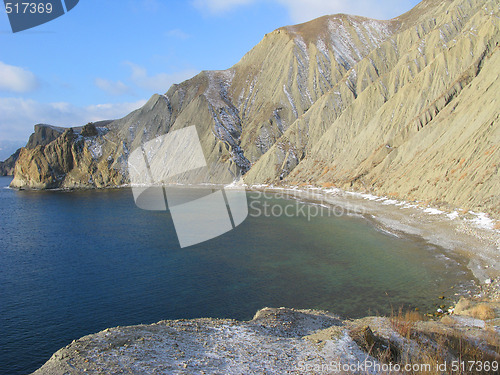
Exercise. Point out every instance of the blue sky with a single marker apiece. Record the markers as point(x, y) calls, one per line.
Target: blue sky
point(105, 58)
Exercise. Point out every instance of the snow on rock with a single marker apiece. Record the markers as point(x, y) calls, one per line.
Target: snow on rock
point(226, 117)
point(272, 343)
point(291, 101)
point(95, 147)
point(276, 341)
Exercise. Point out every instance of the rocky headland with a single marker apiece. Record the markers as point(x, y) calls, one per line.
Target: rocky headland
point(288, 341)
point(405, 108)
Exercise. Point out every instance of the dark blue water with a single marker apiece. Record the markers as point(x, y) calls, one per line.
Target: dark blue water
point(74, 263)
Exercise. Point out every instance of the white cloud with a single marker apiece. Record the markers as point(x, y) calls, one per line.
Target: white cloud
point(301, 10)
point(113, 88)
point(16, 79)
point(177, 33)
point(218, 6)
point(159, 82)
point(20, 115)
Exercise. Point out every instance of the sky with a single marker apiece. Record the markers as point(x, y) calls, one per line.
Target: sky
point(105, 58)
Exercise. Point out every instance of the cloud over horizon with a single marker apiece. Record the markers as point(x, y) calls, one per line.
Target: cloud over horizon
point(140, 78)
point(16, 79)
point(20, 115)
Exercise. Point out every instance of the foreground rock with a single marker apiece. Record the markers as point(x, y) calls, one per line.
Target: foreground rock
point(275, 341)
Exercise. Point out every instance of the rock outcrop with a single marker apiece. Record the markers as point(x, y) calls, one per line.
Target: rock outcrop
point(277, 341)
point(7, 166)
point(43, 135)
point(405, 108)
point(79, 158)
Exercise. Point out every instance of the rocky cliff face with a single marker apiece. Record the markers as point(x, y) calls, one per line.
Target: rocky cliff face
point(76, 158)
point(405, 107)
point(426, 128)
point(7, 166)
point(43, 135)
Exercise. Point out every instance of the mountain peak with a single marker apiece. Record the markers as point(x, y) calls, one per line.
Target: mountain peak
point(401, 107)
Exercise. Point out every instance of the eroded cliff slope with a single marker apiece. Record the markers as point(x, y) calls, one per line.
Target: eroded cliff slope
point(405, 107)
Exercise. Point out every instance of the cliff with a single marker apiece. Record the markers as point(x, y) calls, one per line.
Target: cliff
point(7, 166)
point(43, 134)
point(279, 341)
point(76, 158)
point(405, 108)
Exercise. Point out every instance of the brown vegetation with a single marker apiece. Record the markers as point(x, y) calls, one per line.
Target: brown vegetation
point(429, 344)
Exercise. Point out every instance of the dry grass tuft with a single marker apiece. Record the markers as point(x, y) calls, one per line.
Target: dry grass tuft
point(403, 322)
point(462, 306)
point(483, 312)
point(440, 346)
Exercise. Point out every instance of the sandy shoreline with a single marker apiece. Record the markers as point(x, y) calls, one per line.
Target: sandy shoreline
point(467, 235)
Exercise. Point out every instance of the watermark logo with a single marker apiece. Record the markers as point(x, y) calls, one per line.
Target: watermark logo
point(25, 14)
point(161, 166)
point(206, 201)
point(302, 204)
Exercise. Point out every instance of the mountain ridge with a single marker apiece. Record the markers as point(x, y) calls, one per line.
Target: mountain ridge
point(339, 101)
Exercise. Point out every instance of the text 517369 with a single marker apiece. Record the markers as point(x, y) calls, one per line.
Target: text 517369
point(24, 8)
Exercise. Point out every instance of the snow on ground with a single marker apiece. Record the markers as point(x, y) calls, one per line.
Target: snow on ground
point(433, 211)
point(276, 341)
point(482, 220)
point(272, 343)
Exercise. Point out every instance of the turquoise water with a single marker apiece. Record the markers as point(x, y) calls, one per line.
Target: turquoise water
point(74, 263)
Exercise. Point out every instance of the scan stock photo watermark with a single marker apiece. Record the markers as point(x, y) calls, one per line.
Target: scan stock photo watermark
point(207, 200)
point(24, 15)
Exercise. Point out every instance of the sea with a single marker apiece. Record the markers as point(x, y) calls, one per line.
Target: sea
point(73, 263)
